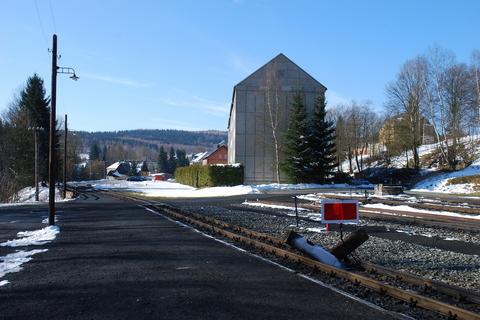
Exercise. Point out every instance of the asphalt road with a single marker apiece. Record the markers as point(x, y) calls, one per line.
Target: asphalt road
point(115, 260)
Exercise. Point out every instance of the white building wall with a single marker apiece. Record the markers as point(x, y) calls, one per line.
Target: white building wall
point(250, 132)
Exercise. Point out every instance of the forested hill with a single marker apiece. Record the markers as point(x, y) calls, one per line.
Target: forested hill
point(189, 140)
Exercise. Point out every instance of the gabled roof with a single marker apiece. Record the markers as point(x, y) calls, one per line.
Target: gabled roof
point(278, 57)
point(113, 166)
point(214, 151)
point(198, 157)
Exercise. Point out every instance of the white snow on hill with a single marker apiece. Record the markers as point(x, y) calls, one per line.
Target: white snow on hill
point(27, 196)
point(439, 183)
point(397, 162)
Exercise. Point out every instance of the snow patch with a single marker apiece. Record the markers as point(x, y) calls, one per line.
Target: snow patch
point(273, 206)
point(439, 182)
point(171, 189)
point(410, 209)
point(13, 262)
point(317, 230)
point(27, 196)
point(33, 238)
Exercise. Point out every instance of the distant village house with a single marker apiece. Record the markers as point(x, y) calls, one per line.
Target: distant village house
point(217, 156)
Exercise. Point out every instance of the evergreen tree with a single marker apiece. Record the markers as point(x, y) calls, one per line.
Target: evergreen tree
point(322, 152)
point(162, 160)
point(29, 110)
point(94, 152)
point(144, 166)
point(104, 153)
point(295, 164)
point(172, 162)
point(182, 160)
point(33, 99)
point(133, 168)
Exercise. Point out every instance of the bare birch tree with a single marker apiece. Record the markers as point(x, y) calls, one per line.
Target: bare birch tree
point(405, 96)
point(273, 100)
point(475, 67)
point(448, 97)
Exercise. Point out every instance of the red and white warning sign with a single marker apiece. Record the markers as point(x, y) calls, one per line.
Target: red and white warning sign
point(340, 211)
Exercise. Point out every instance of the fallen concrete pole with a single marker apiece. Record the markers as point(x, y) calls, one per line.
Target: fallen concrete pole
point(342, 250)
point(316, 252)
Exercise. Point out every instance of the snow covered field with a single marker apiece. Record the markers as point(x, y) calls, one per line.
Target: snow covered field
point(170, 189)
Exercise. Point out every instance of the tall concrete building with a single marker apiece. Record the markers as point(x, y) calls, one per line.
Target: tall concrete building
point(260, 113)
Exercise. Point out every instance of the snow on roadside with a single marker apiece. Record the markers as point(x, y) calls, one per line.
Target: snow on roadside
point(13, 262)
point(33, 238)
point(27, 196)
point(410, 209)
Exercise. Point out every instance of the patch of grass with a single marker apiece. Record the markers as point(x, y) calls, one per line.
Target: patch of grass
point(475, 180)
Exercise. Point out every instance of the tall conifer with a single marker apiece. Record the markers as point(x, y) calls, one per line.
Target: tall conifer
point(321, 140)
point(162, 160)
point(172, 161)
point(295, 164)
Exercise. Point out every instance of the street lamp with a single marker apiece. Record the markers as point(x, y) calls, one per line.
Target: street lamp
point(68, 70)
point(51, 154)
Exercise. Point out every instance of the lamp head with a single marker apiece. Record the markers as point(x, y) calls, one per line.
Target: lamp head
point(74, 77)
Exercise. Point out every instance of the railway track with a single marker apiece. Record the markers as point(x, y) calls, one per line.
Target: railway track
point(420, 218)
point(443, 205)
point(450, 301)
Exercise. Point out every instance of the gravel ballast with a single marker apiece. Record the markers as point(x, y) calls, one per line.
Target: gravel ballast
point(448, 266)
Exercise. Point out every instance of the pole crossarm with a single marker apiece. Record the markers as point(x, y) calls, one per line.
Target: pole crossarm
point(66, 70)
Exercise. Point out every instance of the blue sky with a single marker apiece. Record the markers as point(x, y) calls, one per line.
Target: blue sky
point(172, 64)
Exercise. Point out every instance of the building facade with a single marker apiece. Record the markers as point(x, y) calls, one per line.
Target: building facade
point(260, 114)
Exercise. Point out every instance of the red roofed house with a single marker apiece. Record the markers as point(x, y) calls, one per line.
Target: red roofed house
point(217, 156)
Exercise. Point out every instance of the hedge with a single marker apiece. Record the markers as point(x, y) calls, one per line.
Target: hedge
point(199, 176)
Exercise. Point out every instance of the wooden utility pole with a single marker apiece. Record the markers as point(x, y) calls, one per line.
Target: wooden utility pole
point(51, 148)
point(36, 163)
point(65, 160)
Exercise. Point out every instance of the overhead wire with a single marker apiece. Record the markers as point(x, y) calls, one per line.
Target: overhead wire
point(40, 23)
point(53, 16)
point(42, 29)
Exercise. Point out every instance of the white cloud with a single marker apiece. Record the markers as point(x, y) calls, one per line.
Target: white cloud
point(116, 80)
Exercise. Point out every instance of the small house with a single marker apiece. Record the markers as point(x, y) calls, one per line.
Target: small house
point(142, 169)
point(217, 156)
point(118, 171)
